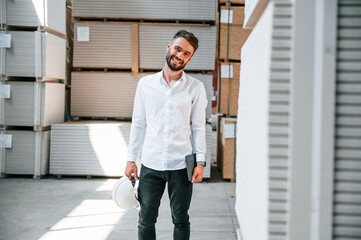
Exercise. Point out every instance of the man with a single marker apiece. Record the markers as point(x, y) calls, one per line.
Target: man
point(168, 107)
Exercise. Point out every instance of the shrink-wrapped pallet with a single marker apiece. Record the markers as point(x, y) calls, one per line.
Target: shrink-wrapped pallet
point(99, 94)
point(31, 104)
point(24, 152)
point(35, 54)
point(208, 85)
point(153, 41)
point(30, 13)
point(207, 169)
point(102, 45)
point(111, 94)
point(89, 148)
point(3, 13)
point(200, 10)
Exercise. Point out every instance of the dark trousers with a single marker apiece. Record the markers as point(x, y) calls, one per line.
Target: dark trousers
point(151, 187)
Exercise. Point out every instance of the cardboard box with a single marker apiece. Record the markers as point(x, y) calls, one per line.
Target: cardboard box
point(237, 37)
point(226, 155)
point(229, 88)
point(234, 16)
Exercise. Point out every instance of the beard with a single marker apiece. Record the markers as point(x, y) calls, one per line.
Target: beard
point(168, 59)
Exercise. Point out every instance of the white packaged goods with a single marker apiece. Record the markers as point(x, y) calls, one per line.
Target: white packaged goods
point(35, 54)
point(102, 45)
point(208, 84)
point(109, 45)
point(97, 148)
point(3, 12)
point(111, 94)
point(32, 104)
point(153, 40)
point(144, 9)
point(30, 13)
point(207, 169)
point(89, 148)
point(99, 94)
point(28, 154)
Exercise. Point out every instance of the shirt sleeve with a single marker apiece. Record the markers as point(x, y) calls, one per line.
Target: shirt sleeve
point(138, 127)
point(198, 123)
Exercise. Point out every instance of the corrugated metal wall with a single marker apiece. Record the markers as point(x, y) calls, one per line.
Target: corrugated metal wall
point(347, 188)
point(279, 121)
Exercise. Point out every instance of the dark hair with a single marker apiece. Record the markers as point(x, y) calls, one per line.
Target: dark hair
point(193, 40)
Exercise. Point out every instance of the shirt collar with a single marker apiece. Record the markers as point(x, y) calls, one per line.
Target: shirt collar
point(182, 78)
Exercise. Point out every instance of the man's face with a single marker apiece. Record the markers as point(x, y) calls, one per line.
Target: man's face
point(179, 53)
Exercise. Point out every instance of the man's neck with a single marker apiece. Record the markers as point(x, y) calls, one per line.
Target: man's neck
point(170, 75)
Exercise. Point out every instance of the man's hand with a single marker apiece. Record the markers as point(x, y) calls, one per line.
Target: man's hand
point(131, 168)
point(198, 174)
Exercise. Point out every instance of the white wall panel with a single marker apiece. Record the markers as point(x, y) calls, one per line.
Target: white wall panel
point(263, 127)
point(252, 203)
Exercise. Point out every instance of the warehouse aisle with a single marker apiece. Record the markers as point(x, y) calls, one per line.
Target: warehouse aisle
point(77, 208)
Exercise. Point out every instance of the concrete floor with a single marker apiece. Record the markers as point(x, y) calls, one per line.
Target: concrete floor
point(77, 208)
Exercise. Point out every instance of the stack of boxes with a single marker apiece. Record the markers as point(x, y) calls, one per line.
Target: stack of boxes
point(115, 44)
point(232, 36)
point(32, 92)
point(226, 152)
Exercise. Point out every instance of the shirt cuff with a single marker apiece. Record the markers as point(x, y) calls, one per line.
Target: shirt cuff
point(132, 158)
point(200, 157)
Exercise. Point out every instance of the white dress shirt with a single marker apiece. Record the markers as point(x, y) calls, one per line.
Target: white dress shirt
point(165, 118)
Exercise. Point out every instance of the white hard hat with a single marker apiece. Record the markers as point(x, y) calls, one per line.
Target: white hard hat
point(123, 194)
